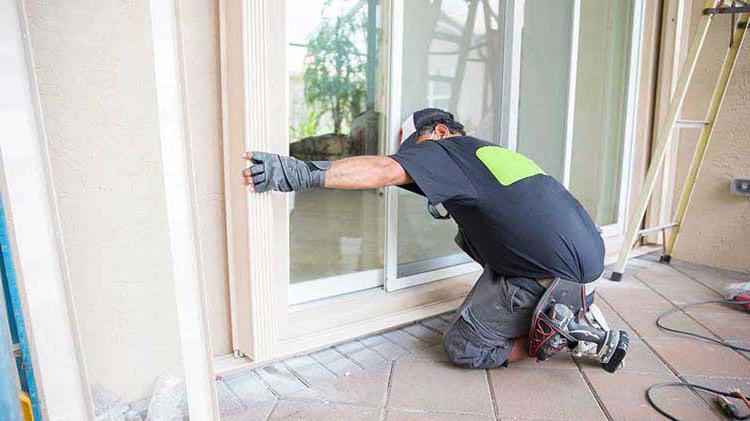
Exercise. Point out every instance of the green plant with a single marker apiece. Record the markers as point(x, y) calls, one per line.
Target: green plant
point(334, 77)
point(308, 127)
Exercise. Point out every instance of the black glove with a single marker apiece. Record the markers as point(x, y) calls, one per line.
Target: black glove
point(284, 173)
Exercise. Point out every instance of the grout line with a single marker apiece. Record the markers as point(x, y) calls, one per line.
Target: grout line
point(593, 391)
point(493, 398)
point(268, 385)
point(296, 375)
point(390, 385)
point(347, 358)
point(321, 363)
point(273, 409)
point(413, 335)
point(394, 343)
point(430, 328)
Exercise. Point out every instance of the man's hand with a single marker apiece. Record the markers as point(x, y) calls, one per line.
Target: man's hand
point(282, 173)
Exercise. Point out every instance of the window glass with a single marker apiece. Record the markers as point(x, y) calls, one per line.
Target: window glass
point(333, 68)
point(452, 59)
point(543, 90)
point(601, 94)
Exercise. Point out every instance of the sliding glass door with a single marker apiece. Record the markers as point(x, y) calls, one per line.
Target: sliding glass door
point(558, 74)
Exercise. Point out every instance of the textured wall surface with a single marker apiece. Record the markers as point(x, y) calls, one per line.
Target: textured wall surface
point(715, 230)
point(94, 62)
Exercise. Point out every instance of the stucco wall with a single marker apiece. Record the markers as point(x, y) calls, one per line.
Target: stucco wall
point(94, 63)
point(715, 231)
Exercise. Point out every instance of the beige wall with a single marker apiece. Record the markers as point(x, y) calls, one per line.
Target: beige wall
point(94, 63)
point(715, 230)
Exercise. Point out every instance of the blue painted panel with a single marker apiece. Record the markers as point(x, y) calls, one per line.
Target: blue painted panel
point(9, 406)
point(15, 316)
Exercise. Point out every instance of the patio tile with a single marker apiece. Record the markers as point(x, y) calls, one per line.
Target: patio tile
point(436, 323)
point(349, 347)
point(734, 325)
point(323, 411)
point(311, 371)
point(405, 340)
point(280, 379)
point(386, 349)
point(372, 340)
point(692, 356)
point(561, 361)
point(624, 396)
point(429, 336)
point(367, 358)
point(394, 415)
point(543, 394)
point(256, 411)
point(447, 317)
point(249, 387)
point(635, 301)
point(229, 402)
point(721, 383)
point(744, 344)
point(714, 278)
point(431, 386)
point(335, 362)
point(684, 291)
point(433, 353)
point(644, 324)
point(364, 388)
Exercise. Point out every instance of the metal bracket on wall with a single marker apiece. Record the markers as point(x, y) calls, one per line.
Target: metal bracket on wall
point(671, 121)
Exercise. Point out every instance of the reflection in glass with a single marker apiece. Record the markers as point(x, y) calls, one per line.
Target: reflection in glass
point(451, 60)
point(601, 93)
point(332, 62)
point(543, 90)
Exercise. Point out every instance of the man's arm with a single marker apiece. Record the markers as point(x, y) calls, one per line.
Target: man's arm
point(283, 173)
point(365, 172)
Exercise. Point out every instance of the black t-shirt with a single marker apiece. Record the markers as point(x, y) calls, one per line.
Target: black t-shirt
point(521, 222)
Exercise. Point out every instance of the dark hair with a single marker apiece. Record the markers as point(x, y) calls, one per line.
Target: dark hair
point(454, 126)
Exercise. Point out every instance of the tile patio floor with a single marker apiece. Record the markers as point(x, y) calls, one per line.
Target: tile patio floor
point(403, 375)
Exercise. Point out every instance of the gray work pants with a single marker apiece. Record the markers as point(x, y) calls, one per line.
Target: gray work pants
point(481, 333)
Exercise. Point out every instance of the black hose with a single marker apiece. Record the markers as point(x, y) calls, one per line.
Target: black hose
point(696, 335)
point(649, 392)
point(655, 387)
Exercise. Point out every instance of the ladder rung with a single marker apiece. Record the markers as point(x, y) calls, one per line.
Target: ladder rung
point(657, 229)
point(698, 124)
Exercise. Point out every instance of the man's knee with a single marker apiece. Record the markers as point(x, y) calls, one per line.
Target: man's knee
point(464, 349)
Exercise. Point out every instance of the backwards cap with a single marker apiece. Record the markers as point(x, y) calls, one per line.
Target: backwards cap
point(419, 119)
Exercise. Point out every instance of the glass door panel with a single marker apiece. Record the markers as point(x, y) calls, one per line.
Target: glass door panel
point(452, 59)
point(543, 103)
point(333, 69)
point(601, 107)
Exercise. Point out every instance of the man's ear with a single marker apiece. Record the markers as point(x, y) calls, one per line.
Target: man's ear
point(442, 131)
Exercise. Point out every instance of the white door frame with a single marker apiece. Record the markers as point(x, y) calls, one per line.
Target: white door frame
point(34, 229)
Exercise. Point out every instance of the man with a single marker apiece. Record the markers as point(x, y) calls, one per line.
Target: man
point(520, 224)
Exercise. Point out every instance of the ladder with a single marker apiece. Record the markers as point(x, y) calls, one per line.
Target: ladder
point(740, 12)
